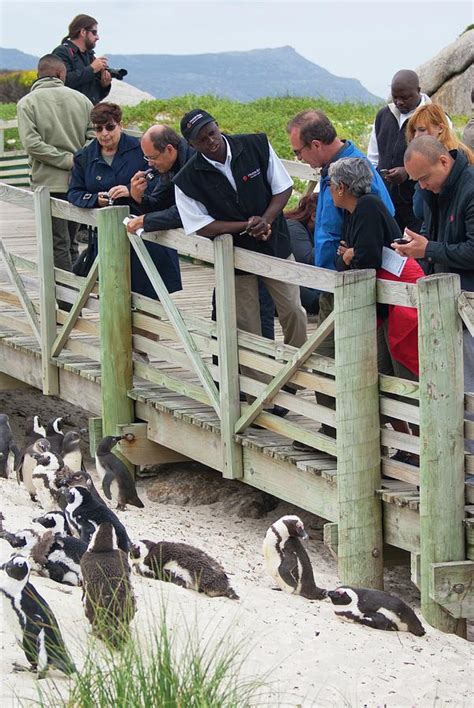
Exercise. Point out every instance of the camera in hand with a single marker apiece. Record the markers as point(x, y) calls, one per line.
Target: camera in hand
point(107, 196)
point(117, 73)
point(149, 174)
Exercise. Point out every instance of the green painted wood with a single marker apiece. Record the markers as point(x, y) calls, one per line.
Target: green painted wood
point(115, 319)
point(441, 437)
point(95, 434)
point(20, 289)
point(177, 321)
point(232, 463)
point(44, 238)
point(75, 311)
point(452, 586)
point(360, 549)
point(285, 373)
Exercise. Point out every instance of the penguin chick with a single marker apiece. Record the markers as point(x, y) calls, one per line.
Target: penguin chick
point(46, 479)
point(108, 598)
point(183, 565)
point(375, 608)
point(83, 479)
point(71, 450)
point(40, 446)
point(87, 513)
point(31, 619)
point(58, 557)
point(54, 432)
point(287, 562)
point(23, 539)
point(55, 521)
point(9, 452)
point(117, 482)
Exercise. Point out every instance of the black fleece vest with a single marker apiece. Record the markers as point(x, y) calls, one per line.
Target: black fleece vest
point(250, 155)
point(392, 144)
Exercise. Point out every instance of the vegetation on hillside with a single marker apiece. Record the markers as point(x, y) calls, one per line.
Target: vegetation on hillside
point(15, 84)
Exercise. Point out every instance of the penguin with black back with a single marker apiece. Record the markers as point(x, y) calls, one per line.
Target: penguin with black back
point(376, 609)
point(82, 479)
point(183, 565)
point(87, 513)
point(54, 432)
point(55, 521)
point(9, 452)
point(108, 598)
point(58, 557)
point(30, 459)
point(22, 540)
point(117, 482)
point(71, 450)
point(286, 560)
point(46, 479)
point(31, 619)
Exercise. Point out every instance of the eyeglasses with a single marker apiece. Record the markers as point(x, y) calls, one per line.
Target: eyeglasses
point(298, 151)
point(94, 32)
point(151, 159)
point(109, 127)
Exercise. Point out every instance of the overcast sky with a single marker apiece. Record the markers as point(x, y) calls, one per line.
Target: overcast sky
point(364, 40)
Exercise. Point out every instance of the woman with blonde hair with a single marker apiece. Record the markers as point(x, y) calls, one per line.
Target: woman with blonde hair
point(430, 119)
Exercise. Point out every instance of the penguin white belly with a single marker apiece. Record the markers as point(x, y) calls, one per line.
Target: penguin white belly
point(402, 627)
point(10, 464)
point(29, 464)
point(59, 556)
point(114, 491)
point(44, 496)
point(175, 568)
point(10, 619)
point(73, 460)
point(42, 653)
point(272, 560)
point(100, 470)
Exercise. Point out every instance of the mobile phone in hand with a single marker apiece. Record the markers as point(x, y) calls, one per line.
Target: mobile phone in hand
point(401, 241)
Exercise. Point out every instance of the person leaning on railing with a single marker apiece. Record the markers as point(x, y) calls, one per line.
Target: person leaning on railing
point(368, 229)
point(101, 177)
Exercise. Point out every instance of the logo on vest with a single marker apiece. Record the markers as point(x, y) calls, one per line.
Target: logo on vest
point(252, 175)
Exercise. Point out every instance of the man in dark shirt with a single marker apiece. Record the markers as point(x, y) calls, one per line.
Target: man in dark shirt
point(84, 71)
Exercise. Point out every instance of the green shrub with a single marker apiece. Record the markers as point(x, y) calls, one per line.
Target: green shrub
point(15, 84)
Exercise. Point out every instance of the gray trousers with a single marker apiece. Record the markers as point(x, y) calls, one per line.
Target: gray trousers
point(65, 248)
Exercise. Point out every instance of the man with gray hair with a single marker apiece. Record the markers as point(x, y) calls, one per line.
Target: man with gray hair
point(54, 123)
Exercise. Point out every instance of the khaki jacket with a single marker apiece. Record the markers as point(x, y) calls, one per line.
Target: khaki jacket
point(53, 122)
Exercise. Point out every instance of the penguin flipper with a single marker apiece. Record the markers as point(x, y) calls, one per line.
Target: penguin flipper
point(288, 570)
point(16, 454)
point(106, 482)
point(377, 620)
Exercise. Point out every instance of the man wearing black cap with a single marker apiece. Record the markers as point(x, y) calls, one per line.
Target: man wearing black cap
point(236, 184)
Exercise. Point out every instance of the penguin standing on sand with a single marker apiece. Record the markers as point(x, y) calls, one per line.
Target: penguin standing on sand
point(375, 608)
point(117, 482)
point(183, 565)
point(9, 452)
point(46, 479)
point(286, 560)
point(40, 446)
point(58, 557)
point(71, 451)
point(108, 597)
point(31, 619)
point(83, 479)
point(54, 432)
point(85, 512)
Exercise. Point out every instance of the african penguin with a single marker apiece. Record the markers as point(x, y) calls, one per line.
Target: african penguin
point(82, 479)
point(286, 560)
point(117, 482)
point(108, 598)
point(183, 565)
point(46, 479)
point(23, 539)
point(40, 446)
point(375, 608)
point(71, 450)
point(54, 432)
point(9, 452)
point(87, 513)
point(55, 521)
point(58, 557)
point(31, 619)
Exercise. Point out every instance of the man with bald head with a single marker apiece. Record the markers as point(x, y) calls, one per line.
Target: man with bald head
point(54, 122)
point(387, 144)
point(166, 153)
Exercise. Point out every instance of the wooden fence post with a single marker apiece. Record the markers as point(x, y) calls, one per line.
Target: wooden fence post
point(360, 541)
point(229, 388)
point(47, 289)
point(441, 436)
point(115, 319)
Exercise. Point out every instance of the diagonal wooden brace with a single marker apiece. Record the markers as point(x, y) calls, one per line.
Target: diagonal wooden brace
point(17, 283)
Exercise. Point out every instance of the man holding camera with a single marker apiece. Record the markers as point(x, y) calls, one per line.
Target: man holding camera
point(86, 73)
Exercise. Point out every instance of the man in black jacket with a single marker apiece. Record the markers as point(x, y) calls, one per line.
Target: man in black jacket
point(85, 72)
point(236, 184)
point(166, 153)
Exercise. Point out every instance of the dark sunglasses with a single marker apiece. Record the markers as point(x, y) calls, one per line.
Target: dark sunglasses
point(109, 127)
point(94, 32)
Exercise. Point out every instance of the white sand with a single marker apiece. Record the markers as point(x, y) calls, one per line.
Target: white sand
point(313, 658)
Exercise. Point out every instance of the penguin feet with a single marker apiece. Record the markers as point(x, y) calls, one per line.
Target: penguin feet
point(21, 668)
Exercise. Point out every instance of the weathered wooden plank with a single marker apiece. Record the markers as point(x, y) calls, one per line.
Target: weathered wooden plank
point(296, 432)
point(392, 293)
point(144, 452)
point(21, 291)
point(65, 210)
point(452, 587)
point(401, 441)
point(9, 383)
point(466, 310)
point(400, 410)
point(441, 436)
point(360, 554)
point(17, 196)
point(401, 387)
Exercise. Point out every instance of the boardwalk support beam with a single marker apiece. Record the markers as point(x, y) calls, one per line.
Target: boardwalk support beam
point(441, 438)
point(360, 541)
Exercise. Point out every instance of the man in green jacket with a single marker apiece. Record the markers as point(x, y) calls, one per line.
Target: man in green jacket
point(54, 122)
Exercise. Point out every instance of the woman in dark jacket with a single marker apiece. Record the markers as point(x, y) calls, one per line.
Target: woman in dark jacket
point(101, 175)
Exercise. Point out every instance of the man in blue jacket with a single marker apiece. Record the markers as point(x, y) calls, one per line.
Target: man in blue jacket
point(314, 140)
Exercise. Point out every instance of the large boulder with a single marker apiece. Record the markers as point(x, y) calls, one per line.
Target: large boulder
point(127, 95)
point(448, 77)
